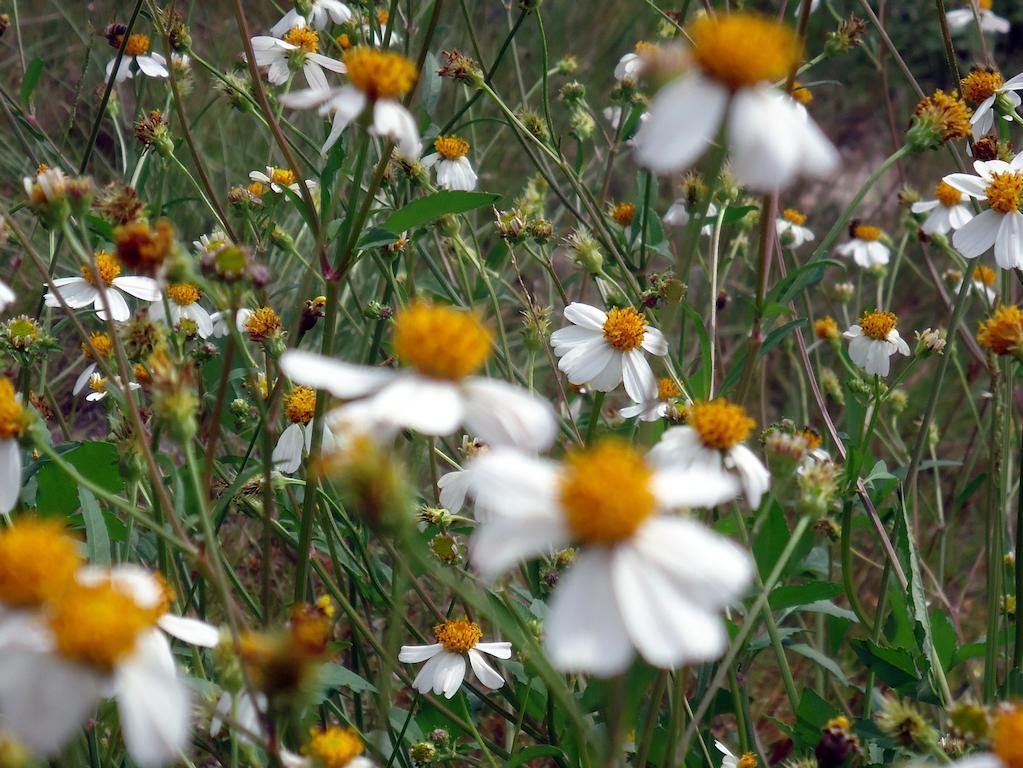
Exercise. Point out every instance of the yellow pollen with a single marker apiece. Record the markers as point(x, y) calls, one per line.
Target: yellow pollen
point(984, 275)
point(379, 74)
point(441, 342)
point(282, 176)
point(947, 195)
point(813, 440)
point(344, 41)
point(667, 389)
point(624, 213)
point(107, 265)
point(984, 5)
point(793, 216)
point(41, 167)
point(183, 294)
point(719, 423)
point(980, 84)
point(748, 760)
point(606, 492)
point(12, 414)
point(383, 16)
point(826, 328)
point(743, 49)
point(1004, 190)
point(841, 722)
point(1002, 333)
point(137, 45)
point(334, 747)
point(878, 324)
point(945, 113)
point(256, 189)
point(645, 47)
point(38, 561)
point(803, 95)
point(262, 324)
point(624, 328)
point(303, 38)
point(1007, 738)
point(866, 232)
point(101, 343)
point(98, 625)
point(301, 405)
point(458, 635)
point(97, 383)
point(451, 147)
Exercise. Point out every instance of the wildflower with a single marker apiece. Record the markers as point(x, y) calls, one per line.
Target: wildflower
point(445, 668)
point(874, 340)
point(442, 348)
point(183, 304)
point(47, 194)
point(136, 51)
point(710, 446)
point(378, 79)
point(279, 178)
point(119, 204)
point(984, 279)
point(454, 486)
point(38, 561)
point(1002, 333)
point(98, 387)
point(630, 65)
point(938, 118)
point(7, 296)
point(623, 214)
point(678, 215)
point(13, 421)
point(104, 347)
point(79, 292)
point(319, 14)
point(984, 88)
point(332, 747)
point(947, 211)
point(904, 723)
point(1000, 185)
point(642, 580)
point(961, 18)
point(299, 409)
point(826, 329)
point(771, 138)
point(152, 132)
point(460, 67)
point(791, 230)
point(451, 164)
point(865, 245)
point(295, 49)
point(1006, 735)
point(730, 760)
point(261, 325)
point(930, 342)
point(144, 247)
point(605, 349)
point(662, 406)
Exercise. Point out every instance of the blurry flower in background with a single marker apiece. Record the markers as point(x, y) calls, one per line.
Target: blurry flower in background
point(947, 211)
point(790, 228)
point(7, 296)
point(658, 408)
point(865, 245)
point(444, 670)
point(962, 18)
point(137, 51)
point(276, 179)
point(320, 13)
point(299, 407)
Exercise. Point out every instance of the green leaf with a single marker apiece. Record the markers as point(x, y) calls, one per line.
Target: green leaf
point(798, 280)
point(97, 539)
point(775, 336)
point(533, 753)
point(335, 676)
point(772, 539)
point(432, 207)
point(894, 666)
point(792, 595)
point(30, 81)
point(97, 461)
point(911, 565)
point(812, 715)
point(826, 662)
point(376, 238)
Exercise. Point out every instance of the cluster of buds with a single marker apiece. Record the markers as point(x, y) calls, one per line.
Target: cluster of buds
point(461, 68)
point(511, 226)
point(536, 326)
point(118, 203)
point(173, 392)
point(24, 339)
point(151, 131)
point(848, 35)
point(585, 250)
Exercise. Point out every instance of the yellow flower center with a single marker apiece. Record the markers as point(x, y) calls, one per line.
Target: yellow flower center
point(748, 760)
point(984, 275)
point(383, 16)
point(301, 405)
point(1002, 333)
point(12, 414)
point(137, 45)
point(22, 331)
point(803, 95)
point(256, 189)
point(667, 389)
point(1004, 190)
point(183, 294)
point(826, 328)
point(97, 383)
point(606, 492)
point(1007, 738)
point(624, 213)
point(334, 747)
point(38, 561)
point(624, 328)
point(878, 324)
point(458, 635)
point(980, 84)
point(101, 343)
point(98, 624)
point(451, 147)
point(107, 265)
point(947, 195)
point(945, 113)
point(302, 38)
point(441, 342)
point(793, 216)
point(719, 423)
point(344, 41)
point(282, 176)
point(262, 324)
point(379, 74)
point(866, 232)
point(743, 49)
point(984, 5)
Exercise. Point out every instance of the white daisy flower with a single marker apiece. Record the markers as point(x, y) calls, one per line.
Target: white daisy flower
point(643, 580)
point(947, 211)
point(375, 33)
point(445, 668)
point(874, 340)
point(731, 760)
point(295, 49)
point(451, 164)
point(865, 246)
point(771, 139)
point(1000, 185)
point(984, 89)
point(605, 349)
point(321, 13)
point(710, 446)
point(657, 408)
point(183, 300)
point(98, 387)
point(678, 215)
point(7, 296)
point(378, 81)
point(961, 18)
point(209, 244)
point(332, 747)
point(790, 228)
point(260, 324)
point(79, 292)
point(137, 51)
point(104, 347)
point(454, 485)
point(438, 392)
point(220, 324)
point(279, 178)
point(297, 439)
point(13, 420)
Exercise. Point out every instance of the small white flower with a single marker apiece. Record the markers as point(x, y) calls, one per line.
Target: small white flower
point(79, 292)
point(295, 49)
point(678, 215)
point(209, 244)
point(183, 301)
point(297, 439)
point(98, 387)
point(790, 228)
point(1000, 185)
point(947, 211)
point(961, 18)
point(7, 296)
point(321, 13)
point(279, 178)
point(605, 349)
point(655, 408)
point(451, 164)
point(445, 669)
point(874, 340)
point(137, 52)
point(865, 246)
point(985, 88)
point(730, 759)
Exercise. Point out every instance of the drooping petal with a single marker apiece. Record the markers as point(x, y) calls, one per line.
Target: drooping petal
point(684, 118)
point(341, 379)
point(500, 413)
point(393, 121)
point(191, 631)
point(153, 65)
point(640, 382)
point(145, 288)
point(977, 235)
point(287, 454)
point(428, 406)
point(1009, 242)
point(485, 673)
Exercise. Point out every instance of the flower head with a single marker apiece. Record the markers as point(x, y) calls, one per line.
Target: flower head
point(441, 342)
point(38, 561)
point(1002, 333)
point(744, 49)
point(379, 74)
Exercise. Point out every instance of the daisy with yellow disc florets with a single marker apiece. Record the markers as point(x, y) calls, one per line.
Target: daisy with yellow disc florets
point(865, 245)
point(874, 340)
point(437, 392)
point(79, 292)
point(319, 15)
point(1000, 185)
point(450, 162)
point(183, 304)
point(279, 178)
point(296, 49)
point(297, 438)
point(644, 579)
point(962, 18)
point(137, 51)
point(790, 228)
point(331, 747)
point(948, 210)
point(737, 61)
point(445, 668)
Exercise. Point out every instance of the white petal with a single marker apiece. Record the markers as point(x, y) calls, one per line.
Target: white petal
point(500, 650)
point(676, 488)
point(410, 654)
point(10, 474)
point(586, 316)
point(429, 406)
point(118, 306)
point(145, 288)
point(152, 66)
point(583, 363)
point(1009, 243)
point(764, 149)
point(639, 379)
point(501, 542)
point(453, 489)
point(654, 342)
point(510, 482)
point(314, 75)
point(287, 455)
point(392, 121)
point(924, 206)
point(684, 118)
point(968, 184)
point(485, 673)
point(958, 215)
point(978, 235)
point(504, 414)
point(287, 21)
point(570, 336)
point(191, 631)
point(341, 379)
point(753, 474)
point(77, 292)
